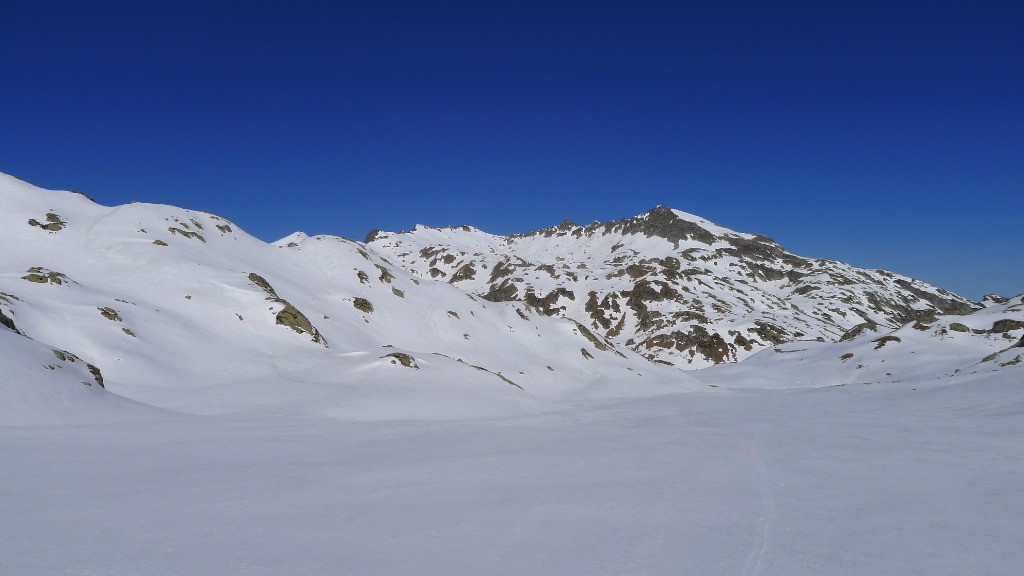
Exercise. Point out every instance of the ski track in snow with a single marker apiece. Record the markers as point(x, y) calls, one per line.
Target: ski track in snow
point(760, 546)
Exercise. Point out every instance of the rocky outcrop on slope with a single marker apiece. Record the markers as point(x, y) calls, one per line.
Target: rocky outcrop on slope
point(288, 316)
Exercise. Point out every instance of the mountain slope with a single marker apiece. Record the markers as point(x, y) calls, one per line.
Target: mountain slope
point(671, 286)
point(184, 310)
point(43, 385)
point(944, 349)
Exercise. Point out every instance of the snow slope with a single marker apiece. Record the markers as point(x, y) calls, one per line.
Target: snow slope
point(183, 310)
point(41, 385)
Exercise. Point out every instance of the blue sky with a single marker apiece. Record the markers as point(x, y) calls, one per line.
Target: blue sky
point(885, 134)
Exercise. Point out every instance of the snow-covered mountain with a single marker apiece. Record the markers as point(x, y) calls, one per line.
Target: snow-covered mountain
point(184, 310)
point(669, 285)
point(418, 403)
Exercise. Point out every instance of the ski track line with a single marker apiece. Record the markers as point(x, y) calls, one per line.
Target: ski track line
point(760, 546)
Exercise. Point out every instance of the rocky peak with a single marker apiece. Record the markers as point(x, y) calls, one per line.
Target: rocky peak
point(990, 300)
point(666, 223)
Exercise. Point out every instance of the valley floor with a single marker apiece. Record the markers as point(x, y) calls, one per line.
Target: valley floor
point(845, 480)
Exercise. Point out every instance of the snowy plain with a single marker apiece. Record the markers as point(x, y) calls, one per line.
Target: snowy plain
point(841, 480)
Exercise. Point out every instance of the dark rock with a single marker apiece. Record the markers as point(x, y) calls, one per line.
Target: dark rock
point(405, 359)
point(65, 356)
point(385, 274)
point(53, 223)
point(110, 314)
point(262, 283)
point(289, 316)
point(770, 332)
point(880, 342)
point(662, 222)
point(590, 336)
point(7, 322)
point(1005, 325)
point(465, 272)
point(42, 275)
point(187, 233)
point(504, 292)
point(546, 305)
point(500, 270)
point(697, 341)
point(866, 326)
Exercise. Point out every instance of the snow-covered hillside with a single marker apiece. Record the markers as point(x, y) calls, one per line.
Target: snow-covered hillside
point(44, 385)
point(930, 351)
point(672, 286)
point(184, 310)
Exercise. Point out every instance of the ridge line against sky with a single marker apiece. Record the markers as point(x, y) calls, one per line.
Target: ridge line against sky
point(887, 135)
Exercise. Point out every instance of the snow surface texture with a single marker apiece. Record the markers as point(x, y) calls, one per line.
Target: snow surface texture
point(179, 397)
point(839, 481)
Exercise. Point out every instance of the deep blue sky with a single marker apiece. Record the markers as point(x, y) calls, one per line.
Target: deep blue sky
point(887, 134)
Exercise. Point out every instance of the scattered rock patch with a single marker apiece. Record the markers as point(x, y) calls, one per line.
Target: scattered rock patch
point(53, 223)
point(42, 275)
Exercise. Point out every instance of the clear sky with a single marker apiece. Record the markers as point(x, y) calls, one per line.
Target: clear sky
point(885, 134)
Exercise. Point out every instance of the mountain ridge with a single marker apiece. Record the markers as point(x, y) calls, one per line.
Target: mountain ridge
point(183, 310)
point(655, 250)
